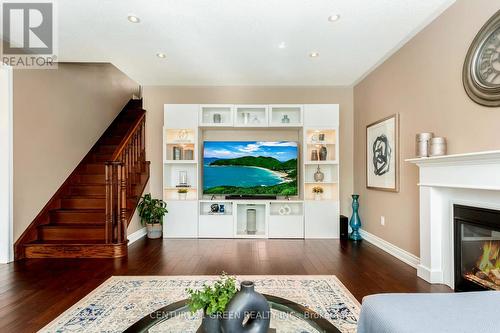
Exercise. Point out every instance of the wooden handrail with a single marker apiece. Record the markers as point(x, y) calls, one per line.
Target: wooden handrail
point(123, 144)
point(121, 173)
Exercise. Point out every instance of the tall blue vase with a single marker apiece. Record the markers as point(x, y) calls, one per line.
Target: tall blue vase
point(355, 222)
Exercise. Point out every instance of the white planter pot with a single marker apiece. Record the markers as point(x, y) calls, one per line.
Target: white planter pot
point(154, 230)
point(318, 196)
point(182, 196)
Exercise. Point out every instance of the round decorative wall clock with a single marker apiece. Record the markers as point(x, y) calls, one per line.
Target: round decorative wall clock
point(481, 72)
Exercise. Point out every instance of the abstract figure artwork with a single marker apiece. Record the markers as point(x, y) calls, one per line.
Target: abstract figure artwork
point(382, 154)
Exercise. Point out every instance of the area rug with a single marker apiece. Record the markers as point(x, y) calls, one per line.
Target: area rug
point(122, 300)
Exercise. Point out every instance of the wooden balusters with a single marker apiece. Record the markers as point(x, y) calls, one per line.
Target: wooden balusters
point(121, 173)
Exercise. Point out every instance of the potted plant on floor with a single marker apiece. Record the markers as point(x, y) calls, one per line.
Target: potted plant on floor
point(318, 192)
point(212, 299)
point(151, 211)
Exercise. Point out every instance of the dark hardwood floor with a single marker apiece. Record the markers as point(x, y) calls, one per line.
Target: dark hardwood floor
point(35, 291)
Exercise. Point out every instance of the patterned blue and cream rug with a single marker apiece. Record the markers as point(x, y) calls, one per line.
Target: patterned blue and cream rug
point(122, 300)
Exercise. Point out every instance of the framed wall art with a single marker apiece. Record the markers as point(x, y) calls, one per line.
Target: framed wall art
point(382, 154)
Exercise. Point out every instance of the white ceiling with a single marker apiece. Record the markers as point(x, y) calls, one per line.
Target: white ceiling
point(235, 42)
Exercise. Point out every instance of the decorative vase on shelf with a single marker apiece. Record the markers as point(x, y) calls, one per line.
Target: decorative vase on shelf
point(355, 222)
point(217, 118)
point(314, 155)
point(247, 303)
point(318, 175)
point(323, 152)
point(246, 118)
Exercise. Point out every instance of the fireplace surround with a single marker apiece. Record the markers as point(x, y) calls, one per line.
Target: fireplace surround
point(471, 180)
point(476, 248)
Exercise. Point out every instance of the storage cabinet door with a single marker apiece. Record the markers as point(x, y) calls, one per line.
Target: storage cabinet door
point(216, 226)
point(321, 219)
point(181, 220)
point(286, 226)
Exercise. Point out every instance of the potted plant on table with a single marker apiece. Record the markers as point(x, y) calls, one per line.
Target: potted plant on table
point(318, 192)
point(151, 211)
point(212, 299)
point(182, 193)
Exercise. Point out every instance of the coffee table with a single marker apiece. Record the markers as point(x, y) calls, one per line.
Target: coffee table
point(286, 316)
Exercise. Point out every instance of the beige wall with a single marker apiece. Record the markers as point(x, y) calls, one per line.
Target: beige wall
point(156, 96)
point(58, 116)
point(422, 82)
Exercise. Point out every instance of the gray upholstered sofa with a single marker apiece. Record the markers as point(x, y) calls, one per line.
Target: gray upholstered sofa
point(431, 313)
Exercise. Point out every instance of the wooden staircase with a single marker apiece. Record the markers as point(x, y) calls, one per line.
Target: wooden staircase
point(88, 216)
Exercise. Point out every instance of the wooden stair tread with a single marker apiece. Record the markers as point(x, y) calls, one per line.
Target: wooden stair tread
point(65, 242)
point(90, 225)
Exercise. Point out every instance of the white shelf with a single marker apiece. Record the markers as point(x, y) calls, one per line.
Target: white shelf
point(294, 114)
point(257, 116)
point(320, 143)
point(321, 162)
point(180, 162)
point(208, 113)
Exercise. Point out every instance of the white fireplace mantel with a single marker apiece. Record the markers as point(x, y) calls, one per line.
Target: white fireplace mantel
point(471, 179)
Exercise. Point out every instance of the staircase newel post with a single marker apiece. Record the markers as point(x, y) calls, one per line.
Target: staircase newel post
point(108, 167)
point(122, 204)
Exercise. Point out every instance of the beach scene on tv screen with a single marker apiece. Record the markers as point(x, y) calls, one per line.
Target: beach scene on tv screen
point(250, 168)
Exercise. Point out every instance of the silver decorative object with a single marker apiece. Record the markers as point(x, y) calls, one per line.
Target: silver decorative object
point(246, 117)
point(285, 210)
point(182, 135)
point(177, 152)
point(437, 146)
point(314, 155)
point(481, 71)
point(189, 154)
point(422, 144)
point(183, 180)
point(217, 118)
point(251, 221)
point(318, 175)
point(285, 119)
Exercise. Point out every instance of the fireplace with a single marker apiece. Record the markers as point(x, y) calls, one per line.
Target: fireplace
point(477, 248)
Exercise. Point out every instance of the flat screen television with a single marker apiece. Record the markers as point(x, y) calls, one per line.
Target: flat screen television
point(250, 168)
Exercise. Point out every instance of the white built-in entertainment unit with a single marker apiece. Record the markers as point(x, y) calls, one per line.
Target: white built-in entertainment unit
point(308, 215)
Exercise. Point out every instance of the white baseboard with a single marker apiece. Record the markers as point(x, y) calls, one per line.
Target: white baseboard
point(429, 275)
point(392, 249)
point(133, 237)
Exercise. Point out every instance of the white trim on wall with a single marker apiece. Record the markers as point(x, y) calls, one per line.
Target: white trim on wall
point(6, 164)
point(135, 236)
point(392, 249)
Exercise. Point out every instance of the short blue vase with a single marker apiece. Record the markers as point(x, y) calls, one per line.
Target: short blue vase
point(355, 222)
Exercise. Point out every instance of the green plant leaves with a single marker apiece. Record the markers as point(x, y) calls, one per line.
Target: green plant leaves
point(214, 298)
point(151, 210)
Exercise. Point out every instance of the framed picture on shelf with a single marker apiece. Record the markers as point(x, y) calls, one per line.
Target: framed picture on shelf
point(382, 154)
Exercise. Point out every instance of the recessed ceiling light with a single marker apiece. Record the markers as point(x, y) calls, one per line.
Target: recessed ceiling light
point(314, 54)
point(282, 45)
point(334, 17)
point(133, 19)
point(161, 55)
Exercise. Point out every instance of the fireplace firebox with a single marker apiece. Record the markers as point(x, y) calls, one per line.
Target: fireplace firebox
point(477, 248)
